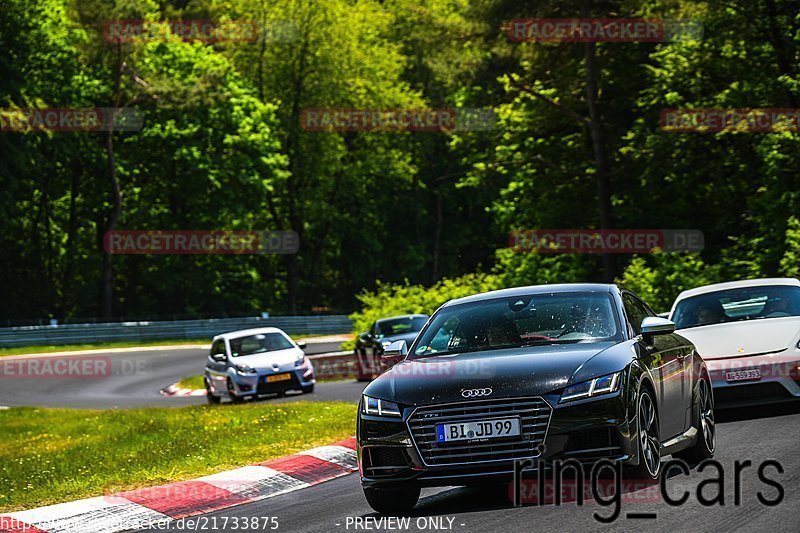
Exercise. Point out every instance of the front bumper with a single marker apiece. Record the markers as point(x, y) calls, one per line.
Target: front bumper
point(390, 452)
point(259, 384)
point(779, 379)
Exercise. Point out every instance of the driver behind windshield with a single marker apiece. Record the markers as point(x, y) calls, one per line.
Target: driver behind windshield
point(709, 313)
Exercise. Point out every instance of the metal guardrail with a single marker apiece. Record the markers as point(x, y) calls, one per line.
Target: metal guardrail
point(165, 330)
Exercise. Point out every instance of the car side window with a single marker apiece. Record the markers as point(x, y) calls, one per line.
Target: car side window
point(635, 311)
point(218, 347)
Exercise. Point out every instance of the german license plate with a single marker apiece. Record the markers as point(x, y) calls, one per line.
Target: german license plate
point(479, 429)
point(743, 375)
point(279, 377)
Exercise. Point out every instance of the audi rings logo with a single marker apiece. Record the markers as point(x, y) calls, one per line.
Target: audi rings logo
point(475, 393)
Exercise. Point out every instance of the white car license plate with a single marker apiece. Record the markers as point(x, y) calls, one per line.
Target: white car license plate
point(743, 375)
point(480, 429)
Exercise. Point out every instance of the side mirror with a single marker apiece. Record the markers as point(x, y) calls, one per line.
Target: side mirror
point(653, 325)
point(302, 345)
point(396, 352)
point(219, 357)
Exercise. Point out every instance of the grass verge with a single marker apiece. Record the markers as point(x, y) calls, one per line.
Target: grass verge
point(50, 456)
point(193, 382)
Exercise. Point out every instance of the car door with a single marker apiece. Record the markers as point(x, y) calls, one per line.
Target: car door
point(218, 370)
point(664, 358)
point(685, 355)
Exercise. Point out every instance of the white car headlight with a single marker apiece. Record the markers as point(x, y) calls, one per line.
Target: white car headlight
point(385, 344)
point(245, 369)
point(591, 388)
point(376, 407)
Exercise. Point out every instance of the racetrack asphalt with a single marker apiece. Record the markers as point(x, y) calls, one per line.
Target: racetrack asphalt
point(129, 379)
point(754, 434)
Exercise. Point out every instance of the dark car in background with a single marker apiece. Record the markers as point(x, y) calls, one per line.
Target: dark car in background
point(371, 344)
point(576, 371)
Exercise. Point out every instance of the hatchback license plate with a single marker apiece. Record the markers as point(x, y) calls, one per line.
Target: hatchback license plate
point(479, 429)
point(279, 377)
point(743, 375)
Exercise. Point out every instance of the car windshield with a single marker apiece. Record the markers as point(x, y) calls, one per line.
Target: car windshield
point(396, 326)
point(527, 320)
point(746, 303)
point(259, 343)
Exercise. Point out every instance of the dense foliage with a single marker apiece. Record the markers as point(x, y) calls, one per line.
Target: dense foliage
point(577, 144)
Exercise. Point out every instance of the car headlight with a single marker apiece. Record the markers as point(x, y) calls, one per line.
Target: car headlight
point(245, 369)
point(593, 387)
point(385, 344)
point(300, 361)
point(376, 407)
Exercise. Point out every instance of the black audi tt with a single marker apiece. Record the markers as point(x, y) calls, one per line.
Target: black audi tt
point(552, 372)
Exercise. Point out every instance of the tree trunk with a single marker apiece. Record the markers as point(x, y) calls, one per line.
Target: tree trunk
point(107, 281)
point(600, 150)
point(437, 236)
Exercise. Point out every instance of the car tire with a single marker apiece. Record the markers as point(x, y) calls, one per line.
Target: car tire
point(308, 390)
point(647, 438)
point(210, 398)
point(396, 500)
point(235, 398)
point(706, 441)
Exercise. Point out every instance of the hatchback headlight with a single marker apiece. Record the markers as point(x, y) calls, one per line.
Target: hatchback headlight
point(376, 407)
point(245, 369)
point(593, 387)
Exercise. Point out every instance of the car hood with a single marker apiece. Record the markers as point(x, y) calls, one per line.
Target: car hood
point(742, 338)
point(509, 372)
point(267, 360)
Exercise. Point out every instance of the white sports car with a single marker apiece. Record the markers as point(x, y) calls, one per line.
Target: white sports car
point(748, 332)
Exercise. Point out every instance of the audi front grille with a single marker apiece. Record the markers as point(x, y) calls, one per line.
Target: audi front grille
point(534, 414)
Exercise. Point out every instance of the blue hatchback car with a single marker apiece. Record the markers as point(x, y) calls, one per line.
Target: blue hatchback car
point(255, 362)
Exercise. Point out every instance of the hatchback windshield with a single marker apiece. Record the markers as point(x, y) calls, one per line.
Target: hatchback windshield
point(260, 343)
point(746, 303)
point(520, 321)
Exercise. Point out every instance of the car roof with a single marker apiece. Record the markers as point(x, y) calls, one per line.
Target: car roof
point(418, 315)
point(705, 289)
point(534, 289)
point(244, 332)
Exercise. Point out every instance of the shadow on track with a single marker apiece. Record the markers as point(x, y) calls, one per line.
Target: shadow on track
point(737, 414)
